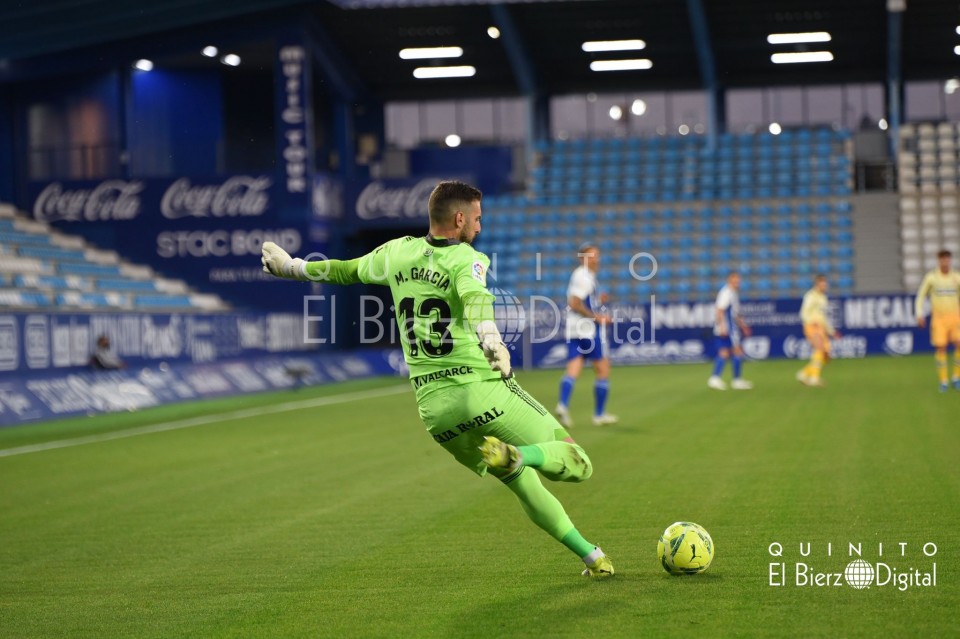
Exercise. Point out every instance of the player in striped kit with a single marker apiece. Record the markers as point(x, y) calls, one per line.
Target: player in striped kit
point(728, 327)
point(586, 335)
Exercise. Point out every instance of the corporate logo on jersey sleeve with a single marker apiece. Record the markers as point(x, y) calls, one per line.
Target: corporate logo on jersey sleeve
point(480, 273)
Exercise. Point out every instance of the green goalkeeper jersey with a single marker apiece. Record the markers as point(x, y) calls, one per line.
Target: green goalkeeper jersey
point(439, 292)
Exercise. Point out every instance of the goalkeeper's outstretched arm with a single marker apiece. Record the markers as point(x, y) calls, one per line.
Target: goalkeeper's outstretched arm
point(278, 262)
point(479, 316)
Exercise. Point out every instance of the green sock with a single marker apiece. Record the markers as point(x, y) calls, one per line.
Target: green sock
point(546, 511)
point(558, 461)
point(575, 542)
point(532, 456)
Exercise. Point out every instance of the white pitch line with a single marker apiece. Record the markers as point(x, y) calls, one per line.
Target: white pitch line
point(206, 419)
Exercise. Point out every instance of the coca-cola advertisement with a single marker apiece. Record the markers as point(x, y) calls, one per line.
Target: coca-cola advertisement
point(110, 200)
point(205, 231)
point(139, 200)
point(241, 195)
point(396, 202)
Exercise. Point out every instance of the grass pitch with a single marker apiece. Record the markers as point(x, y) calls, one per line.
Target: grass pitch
point(329, 512)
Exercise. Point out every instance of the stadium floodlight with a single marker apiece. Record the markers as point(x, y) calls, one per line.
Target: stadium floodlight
point(210, 51)
point(639, 107)
point(958, 30)
point(883, 124)
point(428, 53)
point(452, 140)
point(231, 60)
point(799, 38)
point(803, 56)
point(595, 46)
point(424, 73)
point(775, 128)
point(956, 49)
point(616, 112)
point(143, 65)
point(620, 65)
point(493, 32)
point(683, 129)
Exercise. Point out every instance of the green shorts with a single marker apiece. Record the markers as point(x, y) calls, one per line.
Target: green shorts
point(459, 416)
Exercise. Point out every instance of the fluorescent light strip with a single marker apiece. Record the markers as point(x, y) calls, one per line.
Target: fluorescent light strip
point(427, 53)
point(620, 65)
point(423, 73)
point(798, 38)
point(613, 45)
point(807, 56)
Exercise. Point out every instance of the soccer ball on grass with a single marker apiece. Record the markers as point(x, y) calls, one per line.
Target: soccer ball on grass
point(685, 548)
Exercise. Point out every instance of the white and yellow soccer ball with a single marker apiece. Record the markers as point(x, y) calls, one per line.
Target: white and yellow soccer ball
point(685, 548)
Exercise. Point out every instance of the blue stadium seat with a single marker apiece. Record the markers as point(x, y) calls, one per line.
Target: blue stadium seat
point(126, 285)
point(844, 266)
point(88, 269)
point(51, 253)
point(662, 286)
point(843, 251)
point(17, 237)
point(845, 283)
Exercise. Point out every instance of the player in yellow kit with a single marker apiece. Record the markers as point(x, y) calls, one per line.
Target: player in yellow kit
point(942, 284)
point(817, 329)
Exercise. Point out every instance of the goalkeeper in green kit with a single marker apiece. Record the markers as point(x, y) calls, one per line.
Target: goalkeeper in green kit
point(459, 366)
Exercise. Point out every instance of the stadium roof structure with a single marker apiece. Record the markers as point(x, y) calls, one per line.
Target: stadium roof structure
point(540, 49)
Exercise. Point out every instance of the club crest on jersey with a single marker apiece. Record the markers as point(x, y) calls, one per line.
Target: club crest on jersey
point(479, 273)
point(428, 252)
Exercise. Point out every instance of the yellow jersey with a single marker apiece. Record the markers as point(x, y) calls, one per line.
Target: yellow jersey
point(813, 310)
point(944, 292)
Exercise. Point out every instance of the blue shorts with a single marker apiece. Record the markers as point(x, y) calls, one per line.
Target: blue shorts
point(730, 341)
point(593, 348)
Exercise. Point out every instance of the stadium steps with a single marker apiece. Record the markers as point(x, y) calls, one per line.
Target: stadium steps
point(42, 268)
point(876, 243)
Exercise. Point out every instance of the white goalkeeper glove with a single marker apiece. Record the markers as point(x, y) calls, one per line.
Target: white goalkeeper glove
point(278, 262)
point(494, 349)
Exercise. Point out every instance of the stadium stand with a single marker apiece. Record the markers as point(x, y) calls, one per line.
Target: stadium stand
point(771, 207)
point(929, 205)
point(41, 268)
